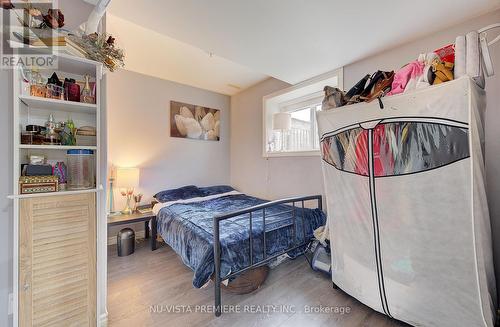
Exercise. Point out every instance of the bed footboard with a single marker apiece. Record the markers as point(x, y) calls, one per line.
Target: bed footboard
point(266, 258)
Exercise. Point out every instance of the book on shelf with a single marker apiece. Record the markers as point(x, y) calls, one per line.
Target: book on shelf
point(58, 43)
point(75, 48)
point(36, 41)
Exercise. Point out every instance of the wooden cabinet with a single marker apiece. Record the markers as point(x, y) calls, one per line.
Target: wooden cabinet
point(57, 260)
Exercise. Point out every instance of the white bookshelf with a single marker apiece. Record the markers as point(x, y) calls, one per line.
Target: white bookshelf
point(57, 147)
point(57, 105)
point(28, 109)
point(35, 110)
point(27, 196)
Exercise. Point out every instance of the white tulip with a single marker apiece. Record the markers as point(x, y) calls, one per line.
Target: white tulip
point(208, 122)
point(179, 122)
point(193, 128)
point(185, 112)
point(217, 128)
point(199, 113)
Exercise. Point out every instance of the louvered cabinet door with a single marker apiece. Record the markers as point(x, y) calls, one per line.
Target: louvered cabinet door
point(57, 261)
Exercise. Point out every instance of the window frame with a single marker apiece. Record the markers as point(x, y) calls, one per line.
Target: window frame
point(296, 97)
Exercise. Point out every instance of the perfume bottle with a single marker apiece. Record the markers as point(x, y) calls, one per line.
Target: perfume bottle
point(37, 86)
point(51, 135)
point(71, 90)
point(87, 94)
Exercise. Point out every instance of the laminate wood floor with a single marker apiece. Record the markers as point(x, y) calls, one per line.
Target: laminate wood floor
point(158, 280)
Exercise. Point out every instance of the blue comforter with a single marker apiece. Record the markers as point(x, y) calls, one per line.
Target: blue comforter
point(188, 229)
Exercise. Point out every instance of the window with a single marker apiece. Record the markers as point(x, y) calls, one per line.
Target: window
point(302, 135)
point(290, 127)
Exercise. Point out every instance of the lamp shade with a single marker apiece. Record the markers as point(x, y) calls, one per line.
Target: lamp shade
point(127, 177)
point(282, 121)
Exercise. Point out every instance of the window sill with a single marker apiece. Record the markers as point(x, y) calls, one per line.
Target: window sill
point(311, 153)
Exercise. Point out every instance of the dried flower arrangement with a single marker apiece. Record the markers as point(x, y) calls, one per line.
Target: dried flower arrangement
point(98, 47)
point(101, 48)
point(54, 18)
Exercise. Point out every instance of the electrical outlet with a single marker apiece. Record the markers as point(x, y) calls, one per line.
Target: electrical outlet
point(11, 304)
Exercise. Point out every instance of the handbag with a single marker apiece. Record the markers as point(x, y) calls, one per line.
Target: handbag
point(382, 84)
point(358, 88)
point(334, 98)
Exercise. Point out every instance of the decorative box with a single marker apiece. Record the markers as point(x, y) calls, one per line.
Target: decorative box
point(55, 92)
point(38, 184)
point(38, 170)
point(86, 135)
point(85, 140)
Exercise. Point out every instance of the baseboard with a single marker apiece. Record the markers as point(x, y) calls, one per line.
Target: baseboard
point(138, 235)
point(103, 320)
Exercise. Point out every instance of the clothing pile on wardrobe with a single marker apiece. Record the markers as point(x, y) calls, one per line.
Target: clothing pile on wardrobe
point(464, 57)
point(408, 220)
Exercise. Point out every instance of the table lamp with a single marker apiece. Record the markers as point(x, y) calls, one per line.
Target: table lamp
point(282, 121)
point(126, 180)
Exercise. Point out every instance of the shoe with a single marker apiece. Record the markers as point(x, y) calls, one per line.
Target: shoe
point(373, 80)
point(381, 87)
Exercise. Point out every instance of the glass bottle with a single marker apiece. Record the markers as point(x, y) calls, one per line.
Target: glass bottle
point(87, 96)
point(71, 90)
point(37, 86)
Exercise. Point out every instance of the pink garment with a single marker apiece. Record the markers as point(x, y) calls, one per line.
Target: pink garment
point(406, 75)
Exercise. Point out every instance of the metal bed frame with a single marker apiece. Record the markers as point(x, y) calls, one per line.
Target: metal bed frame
point(250, 211)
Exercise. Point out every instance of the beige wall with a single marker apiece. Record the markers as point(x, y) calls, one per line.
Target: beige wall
point(279, 177)
point(251, 173)
point(138, 115)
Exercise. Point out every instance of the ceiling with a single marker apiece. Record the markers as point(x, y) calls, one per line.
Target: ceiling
point(294, 40)
point(154, 54)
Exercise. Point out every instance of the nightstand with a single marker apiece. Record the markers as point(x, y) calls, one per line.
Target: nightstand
point(136, 217)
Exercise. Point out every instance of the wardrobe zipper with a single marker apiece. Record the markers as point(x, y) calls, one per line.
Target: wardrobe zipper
point(376, 232)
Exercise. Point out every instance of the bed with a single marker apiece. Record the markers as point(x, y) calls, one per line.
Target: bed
point(210, 228)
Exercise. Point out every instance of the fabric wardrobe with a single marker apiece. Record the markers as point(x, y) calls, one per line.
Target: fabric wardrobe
point(407, 209)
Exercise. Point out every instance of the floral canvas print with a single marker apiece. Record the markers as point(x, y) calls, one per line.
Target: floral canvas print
point(194, 122)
